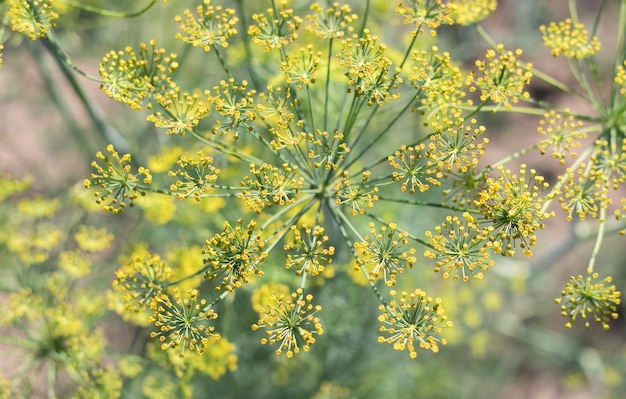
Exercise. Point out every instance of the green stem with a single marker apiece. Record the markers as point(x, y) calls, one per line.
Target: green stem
point(411, 236)
point(485, 36)
point(555, 83)
point(620, 48)
point(246, 46)
point(108, 133)
point(573, 12)
point(381, 134)
point(365, 16)
point(55, 94)
point(107, 13)
point(51, 379)
point(52, 44)
point(599, 239)
point(564, 178)
point(327, 88)
point(222, 62)
point(282, 231)
point(227, 150)
point(430, 204)
point(341, 220)
point(511, 157)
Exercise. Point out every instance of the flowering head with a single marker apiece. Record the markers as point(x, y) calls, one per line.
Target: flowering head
point(31, 18)
point(426, 14)
point(307, 251)
point(620, 77)
point(270, 185)
point(182, 111)
point(183, 320)
point(290, 322)
point(116, 181)
point(503, 77)
point(194, 177)
point(130, 77)
point(456, 145)
point(413, 168)
point(234, 254)
point(460, 247)
point(359, 196)
point(569, 39)
point(235, 104)
point(331, 23)
point(512, 204)
point(276, 29)
point(561, 134)
point(589, 297)
point(412, 321)
point(368, 69)
point(384, 253)
point(141, 280)
point(467, 12)
point(212, 27)
point(302, 68)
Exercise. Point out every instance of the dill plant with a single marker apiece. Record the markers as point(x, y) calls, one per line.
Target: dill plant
point(329, 143)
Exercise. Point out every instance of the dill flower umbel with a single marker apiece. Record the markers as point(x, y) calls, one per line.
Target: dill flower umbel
point(116, 180)
point(469, 12)
point(234, 255)
point(503, 77)
point(290, 323)
point(325, 142)
point(461, 248)
point(589, 297)
point(562, 134)
point(569, 39)
point(31, 18)
point(412, 321)
point(513, 204)
point(132, 76)
point(383, 253)
point(213, 26)
point(182, 320)
point(307, 252)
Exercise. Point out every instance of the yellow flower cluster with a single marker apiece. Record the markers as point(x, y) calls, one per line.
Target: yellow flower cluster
point(276, 29)
point(569, 39)
point(503, 78)
point(412, 321)
point(426, 14)
point(234, 254)
point(290, 323)
point(467, 12)
point(461, 248)
point(182, 111)
point(130, 77)
point(213, 26)
point(383, 253)
point(587, 296)
point(307, 251)
point(415, 168)
point(116, 180)
point(182, 320)
point(562, 134)
point(513, 204)
point(331, 23)
point(270, 185)
point(32, 18)
point(620, 77)
point(194, 176)
point(360, 197)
